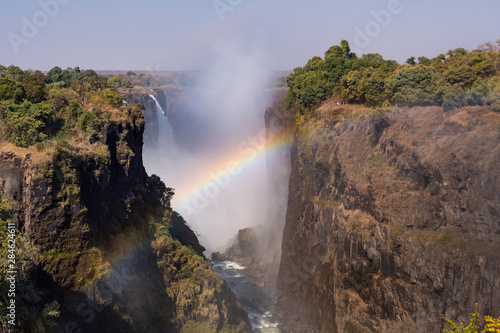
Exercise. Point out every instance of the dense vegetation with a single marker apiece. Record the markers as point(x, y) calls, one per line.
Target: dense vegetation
point(68, 104)
point(158, 78)
point(454, 79)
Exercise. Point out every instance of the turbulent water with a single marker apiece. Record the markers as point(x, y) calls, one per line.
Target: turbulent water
point(258, 302)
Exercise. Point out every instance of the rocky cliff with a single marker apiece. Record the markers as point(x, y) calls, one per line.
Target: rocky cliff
point(101, 252)
point(393, 218)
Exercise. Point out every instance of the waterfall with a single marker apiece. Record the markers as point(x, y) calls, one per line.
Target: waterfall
point(159, 144)
point(165, 132)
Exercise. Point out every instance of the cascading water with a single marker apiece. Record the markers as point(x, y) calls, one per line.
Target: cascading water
point(219, 170)
point(159, 147)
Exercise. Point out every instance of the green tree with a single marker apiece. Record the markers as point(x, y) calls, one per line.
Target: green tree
point(159, 195)
point(54, 75)
point(112, 98)
point(373, 57)
point(317, 80)
point(90, 125)
point(483, 64)
point(365, 86)
point(118, 81)
point(35, 87)
point(478, 94)
point(413, 85)
point(411, 61)
point(25, 124)
point(424, 61)
point(439, 59)
point(346, 50)
point(87, 73)
point(95, 83)
point(70, 76)
point(494, 95)
point(11, 90)
point(22, 131)
point(456, 52)
point(15, 73)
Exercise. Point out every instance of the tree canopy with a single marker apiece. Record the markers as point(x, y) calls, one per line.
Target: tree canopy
point(457, 78)
point(35, 107)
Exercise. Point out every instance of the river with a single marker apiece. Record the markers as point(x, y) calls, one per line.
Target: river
point(258, 302)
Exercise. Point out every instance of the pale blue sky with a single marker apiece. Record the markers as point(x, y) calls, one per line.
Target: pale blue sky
point(181, 34)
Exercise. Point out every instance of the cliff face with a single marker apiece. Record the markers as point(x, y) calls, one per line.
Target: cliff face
point(99, 250)
point(393, 219)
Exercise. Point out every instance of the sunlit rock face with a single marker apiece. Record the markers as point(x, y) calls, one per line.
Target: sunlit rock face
point(392, 221)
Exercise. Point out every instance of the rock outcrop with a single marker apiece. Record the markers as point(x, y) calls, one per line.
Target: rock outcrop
point(248, 250)
point(99, 250)
point(393, 219)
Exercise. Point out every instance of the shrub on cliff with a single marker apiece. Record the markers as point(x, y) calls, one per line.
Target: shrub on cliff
point(25, 124)
point(492, 325)
point(159, 195)
point(315, 81)
point(112, 98)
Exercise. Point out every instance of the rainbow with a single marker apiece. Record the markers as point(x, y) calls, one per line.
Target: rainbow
point(236, 160)
point(228, 165)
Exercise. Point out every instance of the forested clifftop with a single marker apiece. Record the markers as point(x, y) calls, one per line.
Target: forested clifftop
point(393, 213)
point(94, 247)
point(457, 78)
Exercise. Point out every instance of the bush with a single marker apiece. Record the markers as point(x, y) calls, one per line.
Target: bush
point(24, 124)
point(413, 85)
point(90, 125)
point(158, 194)
point(492, 325)
point(119, 82)
point(112, 98)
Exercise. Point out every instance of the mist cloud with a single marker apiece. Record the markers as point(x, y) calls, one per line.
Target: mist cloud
point(219, 171)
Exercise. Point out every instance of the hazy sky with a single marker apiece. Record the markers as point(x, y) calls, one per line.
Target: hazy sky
point(181, 34)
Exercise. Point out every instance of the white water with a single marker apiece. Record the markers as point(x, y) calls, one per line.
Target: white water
point(256, 301)
point(160, 149)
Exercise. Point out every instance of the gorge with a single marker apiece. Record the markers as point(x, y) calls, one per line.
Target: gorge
point(386, 230)
point(360, 197)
